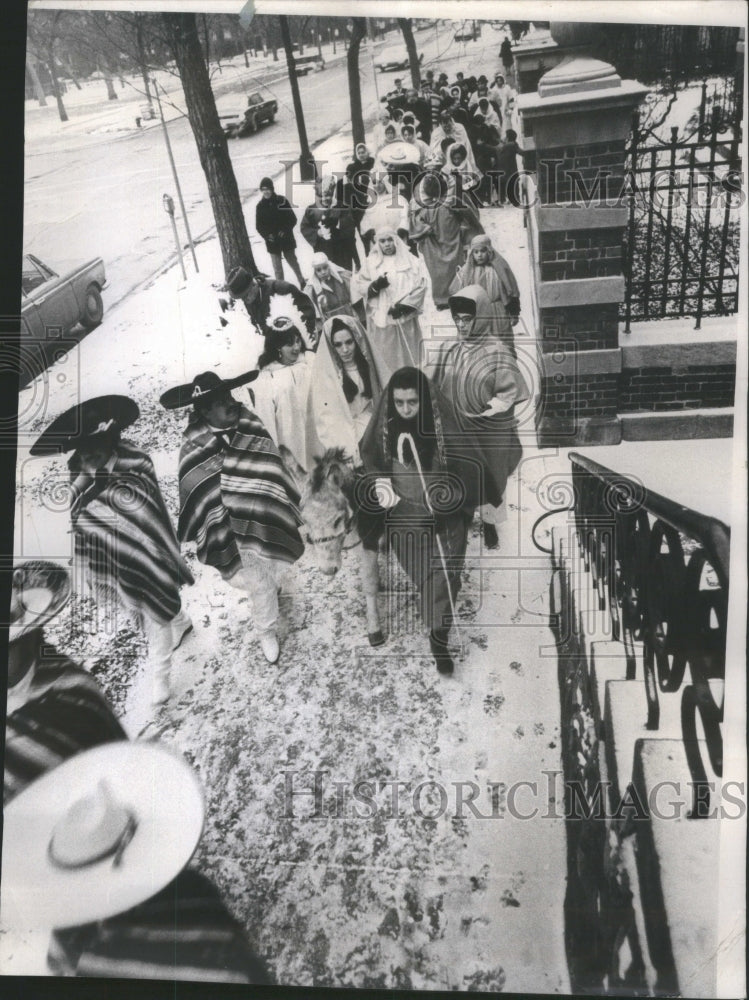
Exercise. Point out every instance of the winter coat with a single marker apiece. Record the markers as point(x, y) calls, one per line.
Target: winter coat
point(274, 221)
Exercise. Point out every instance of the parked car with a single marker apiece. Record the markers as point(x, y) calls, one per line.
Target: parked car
point(52, 306)
point(246, 122)
point(307, 64)
point(468, 32)
point(394, 57)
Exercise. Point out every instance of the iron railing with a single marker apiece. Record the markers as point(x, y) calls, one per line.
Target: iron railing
point(661, 570)
point(681, 248)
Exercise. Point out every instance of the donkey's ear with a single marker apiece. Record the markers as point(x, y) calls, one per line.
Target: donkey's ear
point(292, 466)
point(335, 474)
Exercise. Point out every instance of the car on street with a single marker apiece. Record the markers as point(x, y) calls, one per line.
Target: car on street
point(52, 306)
point(249, 121)
point(308, 64)
point(468, 32)
point(393, 57)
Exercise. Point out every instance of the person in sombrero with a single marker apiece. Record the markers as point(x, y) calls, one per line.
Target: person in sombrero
point(147, 915)
point(122, 529)
point(238, 501)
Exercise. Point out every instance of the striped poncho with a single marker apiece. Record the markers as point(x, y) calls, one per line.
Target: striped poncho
point(124, 534)
point(64, 713)
point(235, 488)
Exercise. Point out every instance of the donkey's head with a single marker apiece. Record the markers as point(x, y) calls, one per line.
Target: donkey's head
point(326, 508)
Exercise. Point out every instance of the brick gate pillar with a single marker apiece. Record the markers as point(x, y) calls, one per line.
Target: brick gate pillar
point(576, 125)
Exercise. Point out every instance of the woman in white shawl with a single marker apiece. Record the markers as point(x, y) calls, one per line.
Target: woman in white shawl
point(388, 210)
point(393, 284)
point(344, 389)
point(280, 392)
point(329, 289)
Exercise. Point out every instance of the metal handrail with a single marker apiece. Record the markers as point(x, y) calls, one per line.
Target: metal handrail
point(654, 579)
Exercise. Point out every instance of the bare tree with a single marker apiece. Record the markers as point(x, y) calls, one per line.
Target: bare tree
point(358, 32)
point(43, 32)
point(31, 64)
point(413, 57)
point(182, 34)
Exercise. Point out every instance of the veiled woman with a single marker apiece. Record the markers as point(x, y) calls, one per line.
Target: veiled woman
point(344, 388)
point(424, 490)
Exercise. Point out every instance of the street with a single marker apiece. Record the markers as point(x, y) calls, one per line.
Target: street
point(86, 198)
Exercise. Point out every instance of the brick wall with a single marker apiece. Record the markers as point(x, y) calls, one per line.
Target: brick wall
point(566, 398)
point(590, 327)
point(565, 174)
point(580, 253)
point(661, 389)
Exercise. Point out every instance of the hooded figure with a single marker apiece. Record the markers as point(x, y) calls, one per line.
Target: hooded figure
point(345, 387)
point(388, 210)
point(329, 288)
point(487, 268)
point(426, 489)
point(392, 283)
point(482, 381)
point(438, 221)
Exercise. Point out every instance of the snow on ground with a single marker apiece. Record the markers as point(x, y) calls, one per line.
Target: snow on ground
point(400, 900)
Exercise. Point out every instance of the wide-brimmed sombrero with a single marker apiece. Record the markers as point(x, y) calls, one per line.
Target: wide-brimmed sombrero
point(86, 420)
point(40, 590)
point(149, 821)
point(398, 154)
point(203, 388)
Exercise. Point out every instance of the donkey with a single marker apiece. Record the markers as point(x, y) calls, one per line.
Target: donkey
point(330, 513)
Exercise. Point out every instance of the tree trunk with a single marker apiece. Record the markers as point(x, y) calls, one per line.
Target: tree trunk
point(142, 64)
point(413, 56)
point(357, 119)
point(56, 88)
point(307, 168)
point(207, 40)
point(211, 142)
point(107, 77)
point(37, 83)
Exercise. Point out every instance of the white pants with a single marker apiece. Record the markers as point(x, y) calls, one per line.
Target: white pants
point(161, 637)
point(260, 578)
point(493, 515)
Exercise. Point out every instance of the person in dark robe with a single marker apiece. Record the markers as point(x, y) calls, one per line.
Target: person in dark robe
point(329, 228)
point(422, 491)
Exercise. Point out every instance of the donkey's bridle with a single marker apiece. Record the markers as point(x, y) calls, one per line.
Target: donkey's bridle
point(332, 538)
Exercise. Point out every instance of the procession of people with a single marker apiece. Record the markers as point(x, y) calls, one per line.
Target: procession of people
point(430, 438)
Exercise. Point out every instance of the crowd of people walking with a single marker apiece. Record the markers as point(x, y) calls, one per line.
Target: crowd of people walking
point(426, 427)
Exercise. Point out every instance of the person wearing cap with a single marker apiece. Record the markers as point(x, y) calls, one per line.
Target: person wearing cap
point(238, 502)
point(329, 288)
point(281, 391)
point(122, 529)
point(436, 222)
point(266, 298)
point(392, 283)
point(274, 221)
point(431, 98)
point(482, 380)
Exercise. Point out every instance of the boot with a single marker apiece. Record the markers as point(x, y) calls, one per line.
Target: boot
point(440, 651)
point(491, 538)
point(160, 689)
point(269, 646)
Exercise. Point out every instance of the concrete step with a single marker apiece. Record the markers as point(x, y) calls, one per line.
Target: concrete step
point(678, 872)
point(706, 423)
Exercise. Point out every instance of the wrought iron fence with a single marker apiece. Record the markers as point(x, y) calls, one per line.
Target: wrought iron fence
point(661, 570)
point(681, 246)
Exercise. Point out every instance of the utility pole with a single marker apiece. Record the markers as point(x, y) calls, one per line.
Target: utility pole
point(176, 178)
point(307, 167)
